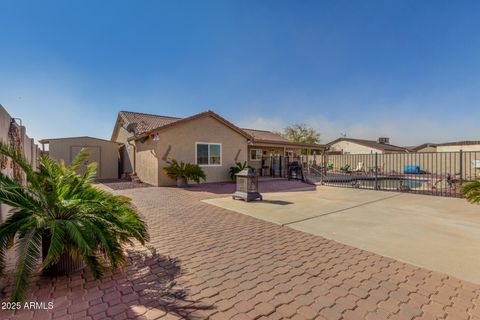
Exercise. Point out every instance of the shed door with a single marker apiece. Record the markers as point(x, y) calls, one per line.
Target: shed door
point(94, 157)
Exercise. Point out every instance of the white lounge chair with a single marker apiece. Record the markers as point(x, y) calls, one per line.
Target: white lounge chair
point(359, 169)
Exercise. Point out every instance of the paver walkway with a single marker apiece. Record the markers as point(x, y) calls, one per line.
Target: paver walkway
point(205, 261)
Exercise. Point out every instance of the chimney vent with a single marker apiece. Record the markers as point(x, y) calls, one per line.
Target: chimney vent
point(383, 140)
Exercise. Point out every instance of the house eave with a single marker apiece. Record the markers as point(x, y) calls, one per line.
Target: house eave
point(259, 143)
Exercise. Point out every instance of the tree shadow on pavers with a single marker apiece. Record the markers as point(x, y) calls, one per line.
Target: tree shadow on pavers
point(152, 278)
point(144, 288)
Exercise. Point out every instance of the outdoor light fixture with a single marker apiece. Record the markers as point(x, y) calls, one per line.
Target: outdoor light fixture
point(156, 137)
point(247, 186)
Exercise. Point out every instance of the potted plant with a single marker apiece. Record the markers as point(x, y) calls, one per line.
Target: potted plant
point(237, 168)
point(182, 172)
point(60, 222)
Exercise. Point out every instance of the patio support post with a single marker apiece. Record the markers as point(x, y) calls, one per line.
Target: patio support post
point(461, 167)
point(324, 170)
point(280, 166)
point(308, 161)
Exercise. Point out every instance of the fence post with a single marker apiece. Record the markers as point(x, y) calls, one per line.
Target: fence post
point(271, 166)
point(323, 171)
point(461, 167)
point(376, 171)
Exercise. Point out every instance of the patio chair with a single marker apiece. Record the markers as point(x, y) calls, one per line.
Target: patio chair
point(359, 169)
point(345, 168)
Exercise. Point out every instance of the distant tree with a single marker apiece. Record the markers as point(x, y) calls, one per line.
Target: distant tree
point(301, 133)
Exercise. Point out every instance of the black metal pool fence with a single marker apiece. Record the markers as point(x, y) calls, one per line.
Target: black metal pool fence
point(433, 173)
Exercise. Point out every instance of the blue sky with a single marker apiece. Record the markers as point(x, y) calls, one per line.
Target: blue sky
point(405, 69)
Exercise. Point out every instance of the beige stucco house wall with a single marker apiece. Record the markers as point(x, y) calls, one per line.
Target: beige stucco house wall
point(179, 142)
point(103, 152)
point(427, 149)
point(352, 148)
point(456, 148)
point(127, 151)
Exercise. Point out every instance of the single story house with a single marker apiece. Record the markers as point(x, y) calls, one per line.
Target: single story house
point(147, 141)
point(360, 146)
point(471, 145)
point(103, 152)
point(455, 146)
point(424, 147)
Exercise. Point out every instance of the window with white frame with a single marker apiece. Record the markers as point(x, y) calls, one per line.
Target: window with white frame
point(208, 154)
point(255, 154)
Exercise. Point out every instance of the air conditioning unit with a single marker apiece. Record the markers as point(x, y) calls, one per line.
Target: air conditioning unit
point(384, 140)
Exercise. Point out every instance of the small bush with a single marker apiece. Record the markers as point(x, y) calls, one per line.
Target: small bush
point(237, 168)
point(63, 213)
point(188, 171)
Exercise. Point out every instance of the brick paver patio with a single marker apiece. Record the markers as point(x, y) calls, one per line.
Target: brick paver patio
point(207, 262)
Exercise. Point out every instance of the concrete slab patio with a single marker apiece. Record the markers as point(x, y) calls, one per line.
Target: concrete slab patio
point(441, 234)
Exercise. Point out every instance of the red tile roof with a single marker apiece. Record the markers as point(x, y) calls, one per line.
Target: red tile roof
point(143, 123)
point(265, 135)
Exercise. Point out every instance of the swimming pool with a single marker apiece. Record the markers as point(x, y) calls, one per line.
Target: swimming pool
point(401, 183)
point(390, 184)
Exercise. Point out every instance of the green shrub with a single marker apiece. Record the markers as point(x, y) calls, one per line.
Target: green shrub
point(68, 214)
point(237, 168)
point(188, 171)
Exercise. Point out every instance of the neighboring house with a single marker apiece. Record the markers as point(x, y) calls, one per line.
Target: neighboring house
point(459, 145)
point(360, 146)
point(148, 141)
point(454, 146)
point(103, 152)
point(424, 147)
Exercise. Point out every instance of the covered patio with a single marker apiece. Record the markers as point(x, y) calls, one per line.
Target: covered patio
point(271, 159)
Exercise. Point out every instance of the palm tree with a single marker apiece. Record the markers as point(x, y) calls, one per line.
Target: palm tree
point(182, 172)
point(64, 211)
point(471, 191)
